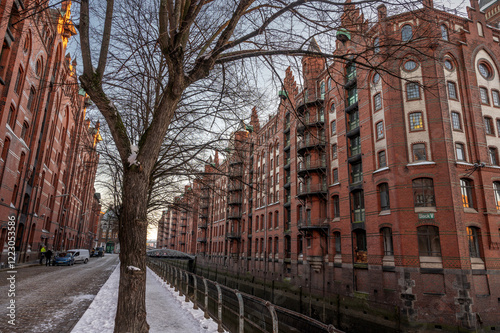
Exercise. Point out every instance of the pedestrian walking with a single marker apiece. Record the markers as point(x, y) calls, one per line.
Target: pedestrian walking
point(48, 256)
point(42, 253)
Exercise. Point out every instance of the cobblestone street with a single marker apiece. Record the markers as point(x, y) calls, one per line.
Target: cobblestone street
point(52, 299)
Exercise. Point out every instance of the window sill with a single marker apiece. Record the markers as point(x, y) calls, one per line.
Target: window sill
point(385, 212)
point(431, 262)
point(425, 210)
point(337, 219)
point(470, 210)
point(463, 163)
point(420, 163)
point(381, 169)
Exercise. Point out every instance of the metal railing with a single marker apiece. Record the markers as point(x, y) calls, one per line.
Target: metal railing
point(233, 310)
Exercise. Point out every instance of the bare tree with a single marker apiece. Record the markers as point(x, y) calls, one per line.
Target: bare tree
point(164, 64)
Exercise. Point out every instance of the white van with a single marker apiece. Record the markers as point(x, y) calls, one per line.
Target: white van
point(80, 255)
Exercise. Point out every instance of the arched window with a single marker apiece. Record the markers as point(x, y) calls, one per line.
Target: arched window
point(480, 29)
point(428, 241)
point(387, 238)
point(444, 32)
point(406, 33)
point(336, 207)
point(24, 131)
point(322, 89)
point(423, 192)
point(383, 190)
point(31, 98)
point(376, 45)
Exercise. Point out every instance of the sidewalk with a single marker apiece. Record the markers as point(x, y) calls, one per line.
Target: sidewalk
point(166, 311)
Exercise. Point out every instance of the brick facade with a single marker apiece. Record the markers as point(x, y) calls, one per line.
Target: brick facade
point(48, 162)
point(381, 185)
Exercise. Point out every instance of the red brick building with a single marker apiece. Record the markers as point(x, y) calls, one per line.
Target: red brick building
point(48, 159)
point(378, 190)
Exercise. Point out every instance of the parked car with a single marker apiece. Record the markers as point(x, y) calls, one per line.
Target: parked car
point(63, 258)
point(80, 255)
point(98, 252)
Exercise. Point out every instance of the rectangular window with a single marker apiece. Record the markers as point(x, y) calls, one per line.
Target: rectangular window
point(334, 151)
point(333, 126)
point(452, 90)
point(496, 98)
point(488, 126)
point(484, 95)
point(352, 96)
point(428, 241)
point(377, 101)
point(419, 153)
point(388, 247)
point(492, 152)
point(460, 151)
point(17, 86)
point(335, 176)
point(355, 145)
point(466, 188)
point(353, 120)
point(412, 91)
point(423, 192)
point(356, 172)
point(382, 163)
point(455, 119)
point(380, 130)
point(384, 196)
point(416, 122)
point(336, 206)
point(338, 246)
point(31, 98)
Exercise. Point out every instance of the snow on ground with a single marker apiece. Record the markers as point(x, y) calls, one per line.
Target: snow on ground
point(167, 311)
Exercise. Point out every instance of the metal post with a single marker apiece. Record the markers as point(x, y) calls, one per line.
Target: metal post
point(274, 317)
point(187, 288)
point(206, 298)
point(241, 325)
point(195, 297)
point(219, 308)
point(175, 279)
point(180, 282)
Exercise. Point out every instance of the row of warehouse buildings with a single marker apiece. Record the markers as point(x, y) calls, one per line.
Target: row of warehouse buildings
point(48, 148)
point(377, 180)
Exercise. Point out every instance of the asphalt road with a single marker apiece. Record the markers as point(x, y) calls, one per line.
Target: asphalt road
point(52, 299)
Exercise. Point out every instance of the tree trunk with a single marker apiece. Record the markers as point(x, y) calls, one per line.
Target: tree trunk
point(131, 310)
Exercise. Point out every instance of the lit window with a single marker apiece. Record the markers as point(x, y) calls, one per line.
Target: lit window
point(496, 97)
point(455, 119)
point(452, 90)
point(419, 153)
point(484, 95)
point(496, 189)
point(382, 163)
point(444, 32)
point(423, 192)
point(460, 151)
point(380, 130)
point(428, 241)
point(466, 188)
point(473, 236)
point(377, 101)
point(406, 33)
point(416, 122)
point(412, 91)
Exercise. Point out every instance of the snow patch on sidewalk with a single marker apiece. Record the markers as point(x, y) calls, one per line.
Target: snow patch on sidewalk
point(167, 311)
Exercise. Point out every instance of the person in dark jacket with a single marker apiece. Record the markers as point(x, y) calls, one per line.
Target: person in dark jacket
point(48, 256)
